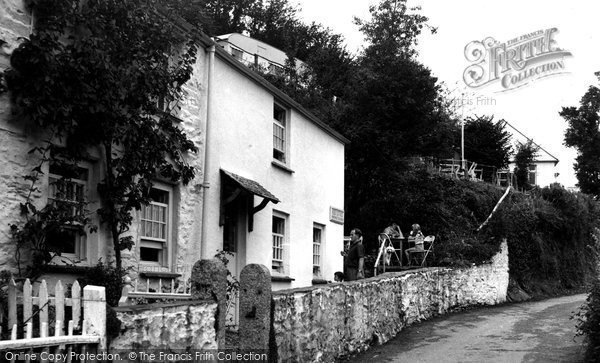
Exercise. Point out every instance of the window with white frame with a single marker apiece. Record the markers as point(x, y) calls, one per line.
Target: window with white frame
point(279, 133)
point(68, 188)
point(317, 248)
point(155, 227)
point(280, 244)
point(532, 174)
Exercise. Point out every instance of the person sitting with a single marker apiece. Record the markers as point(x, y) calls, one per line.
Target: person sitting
point(417, 237)
point(393, 231)
point(339, 276)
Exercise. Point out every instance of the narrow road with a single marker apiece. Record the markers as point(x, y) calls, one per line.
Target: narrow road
point(540, 331)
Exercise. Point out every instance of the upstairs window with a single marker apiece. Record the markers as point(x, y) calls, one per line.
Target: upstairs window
point(279, 133)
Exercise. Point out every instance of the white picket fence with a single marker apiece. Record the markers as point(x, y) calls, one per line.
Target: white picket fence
point(51, 334)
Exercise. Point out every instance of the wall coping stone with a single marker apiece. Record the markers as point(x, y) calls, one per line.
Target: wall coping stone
point(144, 307)
point(383, 276)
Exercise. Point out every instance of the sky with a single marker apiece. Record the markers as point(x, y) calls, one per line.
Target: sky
point(532, 108)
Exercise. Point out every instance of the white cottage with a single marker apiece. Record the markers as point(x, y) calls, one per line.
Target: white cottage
point(269, 187)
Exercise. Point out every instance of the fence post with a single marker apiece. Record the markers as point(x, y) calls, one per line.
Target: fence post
point(94, 313)
point(209, 281)
point(255, 307)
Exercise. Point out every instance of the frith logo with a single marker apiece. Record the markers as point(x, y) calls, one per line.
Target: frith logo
point(514, 63)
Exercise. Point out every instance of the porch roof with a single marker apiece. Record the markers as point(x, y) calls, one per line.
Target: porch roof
point(251, 186)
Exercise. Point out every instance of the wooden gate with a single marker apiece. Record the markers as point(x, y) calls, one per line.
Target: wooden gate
point(43, 326)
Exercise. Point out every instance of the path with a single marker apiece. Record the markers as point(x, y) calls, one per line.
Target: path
point(540, 331)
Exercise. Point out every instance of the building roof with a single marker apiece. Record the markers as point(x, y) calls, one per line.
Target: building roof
point(545, 155)
point(206, 41)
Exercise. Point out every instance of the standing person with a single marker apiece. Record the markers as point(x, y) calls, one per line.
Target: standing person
point(417, 237)
point(354, 263)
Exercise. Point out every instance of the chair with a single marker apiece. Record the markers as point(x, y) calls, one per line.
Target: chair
point(420, 257)
point(386, 251)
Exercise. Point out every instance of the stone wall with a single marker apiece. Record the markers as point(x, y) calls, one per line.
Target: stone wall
point(320, 324)
point(185, 326)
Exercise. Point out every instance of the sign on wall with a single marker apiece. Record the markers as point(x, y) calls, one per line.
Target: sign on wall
point(336, 215)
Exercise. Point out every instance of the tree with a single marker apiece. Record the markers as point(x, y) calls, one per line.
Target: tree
point(583, 134)
point(524, 158)
point(487, 143)
point(98, 74)
point(393, 29)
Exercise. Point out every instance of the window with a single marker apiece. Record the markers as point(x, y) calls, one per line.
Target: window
point(279, 133)
point(531, 176)
point(67, 187)
point(280, 244)
point(237, 54)
point(317, 247)
point(155, 227)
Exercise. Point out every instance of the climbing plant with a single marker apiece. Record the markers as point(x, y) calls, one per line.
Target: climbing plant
point(105, 75)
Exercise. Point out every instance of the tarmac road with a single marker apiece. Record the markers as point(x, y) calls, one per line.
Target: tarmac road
point(539, 331)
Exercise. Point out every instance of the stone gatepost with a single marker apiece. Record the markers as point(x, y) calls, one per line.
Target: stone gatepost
point(209, 281)
point(255, 307)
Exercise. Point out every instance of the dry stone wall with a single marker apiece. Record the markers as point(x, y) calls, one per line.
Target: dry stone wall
point(320, 324)
point(188, 326)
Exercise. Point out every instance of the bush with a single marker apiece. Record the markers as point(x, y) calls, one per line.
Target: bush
point(108, 276)
point(589, 323)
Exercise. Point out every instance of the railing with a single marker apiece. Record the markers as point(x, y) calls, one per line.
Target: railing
point(87, 332)
point(454, 167)
point(149, 289)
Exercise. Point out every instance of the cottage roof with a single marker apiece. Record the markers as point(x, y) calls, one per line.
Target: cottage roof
point(206, 41)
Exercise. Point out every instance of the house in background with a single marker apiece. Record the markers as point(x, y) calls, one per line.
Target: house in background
point(269, 186)
point(542, 172)
point(253, 52)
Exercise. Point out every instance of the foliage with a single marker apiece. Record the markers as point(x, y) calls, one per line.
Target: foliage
point(108, 276)
point(583, 134)
point(98, 74)
point(487, 143)
point(524, 158)
point(549, 231)
point(588, 316)
point(393, 29)
point(232, 283)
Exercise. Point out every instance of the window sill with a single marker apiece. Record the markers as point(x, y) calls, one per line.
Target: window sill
point(282, 166)
point(67, 269)
point(275, 278)
point(319, 281)
point(159, 275)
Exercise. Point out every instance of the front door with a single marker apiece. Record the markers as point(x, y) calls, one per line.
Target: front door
point(234, 246)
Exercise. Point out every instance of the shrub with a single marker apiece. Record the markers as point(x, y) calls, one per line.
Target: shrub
point(108, 276)
point(588, 323)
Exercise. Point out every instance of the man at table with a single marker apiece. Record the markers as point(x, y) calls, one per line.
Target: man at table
point(417, 237)
point(355, 260)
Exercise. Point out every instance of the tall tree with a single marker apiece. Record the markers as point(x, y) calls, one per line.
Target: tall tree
point(97, 73)
point(487, 143)
point(395, 109)
point(583, 134)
